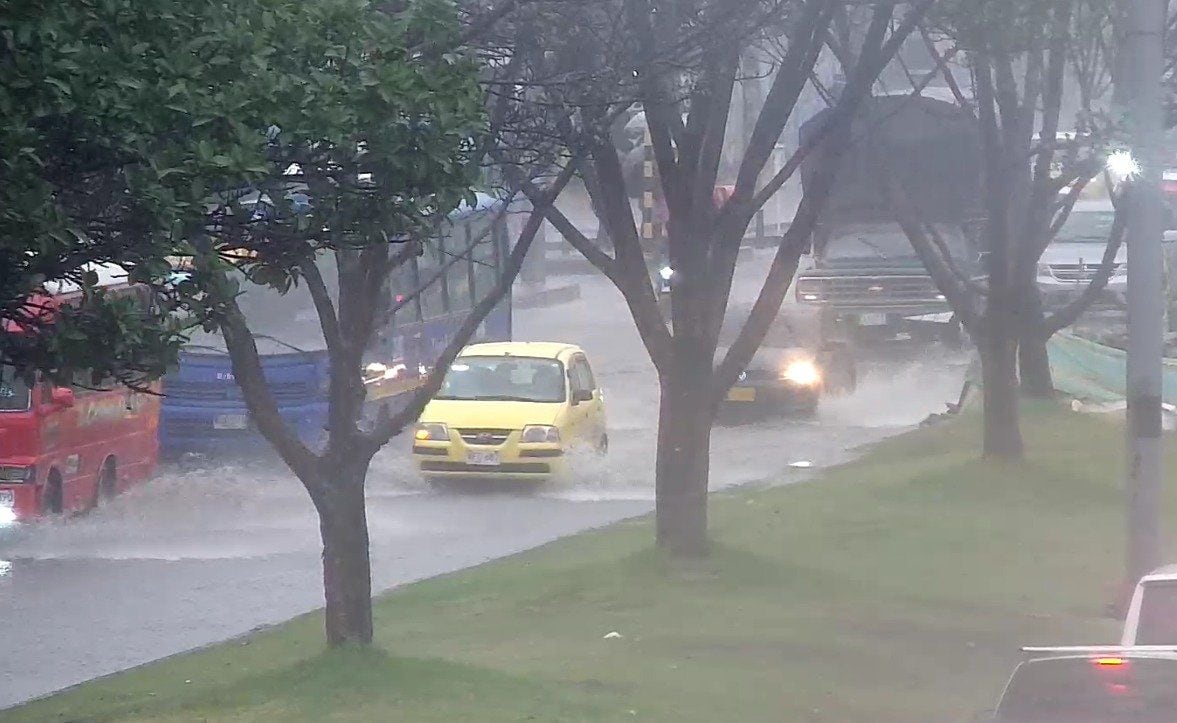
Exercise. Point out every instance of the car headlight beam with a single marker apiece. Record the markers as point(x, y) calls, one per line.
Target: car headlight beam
point(802, 371)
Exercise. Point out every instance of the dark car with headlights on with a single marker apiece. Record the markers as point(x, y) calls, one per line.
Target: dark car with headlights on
point(788, 381)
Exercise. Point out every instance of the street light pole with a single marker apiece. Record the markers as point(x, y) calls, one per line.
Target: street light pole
point(1143, 53)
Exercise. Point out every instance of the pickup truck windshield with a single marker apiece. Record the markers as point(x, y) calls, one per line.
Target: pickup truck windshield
point(1087, 227)
point(883, 243)
point(1158, 614)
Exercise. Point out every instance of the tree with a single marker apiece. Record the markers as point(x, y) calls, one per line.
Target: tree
point(377, 130)
point(105, 115)
point(679, 63)
point(1019, 58)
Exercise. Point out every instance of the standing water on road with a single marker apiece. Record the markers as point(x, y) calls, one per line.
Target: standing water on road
point(212, 549)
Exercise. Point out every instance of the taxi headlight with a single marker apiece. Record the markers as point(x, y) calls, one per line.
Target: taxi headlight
point(432, 432)
point(801, 371)
point(537, 433)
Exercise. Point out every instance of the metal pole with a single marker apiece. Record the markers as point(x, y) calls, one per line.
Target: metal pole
point(1145, 21)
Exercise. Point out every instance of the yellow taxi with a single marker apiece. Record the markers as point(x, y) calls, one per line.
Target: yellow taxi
point(511, 410)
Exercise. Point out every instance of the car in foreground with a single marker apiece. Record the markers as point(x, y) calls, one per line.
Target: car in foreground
point(1121, 686)
point(511, 410)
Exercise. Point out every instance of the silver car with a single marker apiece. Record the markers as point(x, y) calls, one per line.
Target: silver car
point(1074, 256)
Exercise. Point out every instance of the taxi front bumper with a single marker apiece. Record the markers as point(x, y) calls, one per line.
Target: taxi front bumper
point(509, 459)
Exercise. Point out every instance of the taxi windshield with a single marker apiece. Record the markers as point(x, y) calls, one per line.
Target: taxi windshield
point(510, 379)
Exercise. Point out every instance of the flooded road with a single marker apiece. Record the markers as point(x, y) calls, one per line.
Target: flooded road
point(209, 551)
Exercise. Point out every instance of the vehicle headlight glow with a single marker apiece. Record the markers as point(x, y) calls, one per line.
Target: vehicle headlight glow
point(666, 273)
point(7, 515)
point(432, 432)
point(1122, 166)
point(801, 371)
point(540, 433)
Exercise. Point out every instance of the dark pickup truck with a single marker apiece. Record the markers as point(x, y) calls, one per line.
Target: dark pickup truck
point(865, 275)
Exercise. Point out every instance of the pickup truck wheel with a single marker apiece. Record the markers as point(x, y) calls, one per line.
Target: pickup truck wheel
point(952, 336)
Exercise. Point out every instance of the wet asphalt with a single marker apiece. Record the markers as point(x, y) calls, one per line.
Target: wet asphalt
point(211, 550)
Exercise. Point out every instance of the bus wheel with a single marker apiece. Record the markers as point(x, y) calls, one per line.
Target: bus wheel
point(52, 500)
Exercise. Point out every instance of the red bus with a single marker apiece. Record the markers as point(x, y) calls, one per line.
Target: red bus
point(62, 449)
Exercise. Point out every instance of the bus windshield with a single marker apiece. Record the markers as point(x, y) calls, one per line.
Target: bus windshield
point(14, 391)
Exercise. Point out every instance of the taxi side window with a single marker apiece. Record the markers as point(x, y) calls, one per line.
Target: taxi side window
point(581, 376)
point(589, 380)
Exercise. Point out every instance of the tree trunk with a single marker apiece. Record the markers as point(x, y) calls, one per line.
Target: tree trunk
point(683, 464)
point(1033, 363)
point(1034, 367)
point(347, 573)
point(999, 362)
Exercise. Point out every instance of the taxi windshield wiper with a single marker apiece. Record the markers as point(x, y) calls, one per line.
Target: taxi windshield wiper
point(501, 398)
point(485, 398)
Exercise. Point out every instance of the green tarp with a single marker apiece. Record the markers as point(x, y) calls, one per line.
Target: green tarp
point(1094, 372)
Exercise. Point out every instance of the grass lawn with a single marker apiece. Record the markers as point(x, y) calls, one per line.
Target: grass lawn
point(897, 588)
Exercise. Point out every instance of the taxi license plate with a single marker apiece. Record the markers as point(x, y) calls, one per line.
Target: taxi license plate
point(741, 394)
point(230, 421)
point(7, 498)
point(483, 459)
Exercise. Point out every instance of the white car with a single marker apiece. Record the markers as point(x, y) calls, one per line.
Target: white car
point(1073, 258)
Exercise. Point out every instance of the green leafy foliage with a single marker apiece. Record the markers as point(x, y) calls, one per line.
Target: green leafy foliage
point(128, 128)
point(106, 107)
point(368, 141)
